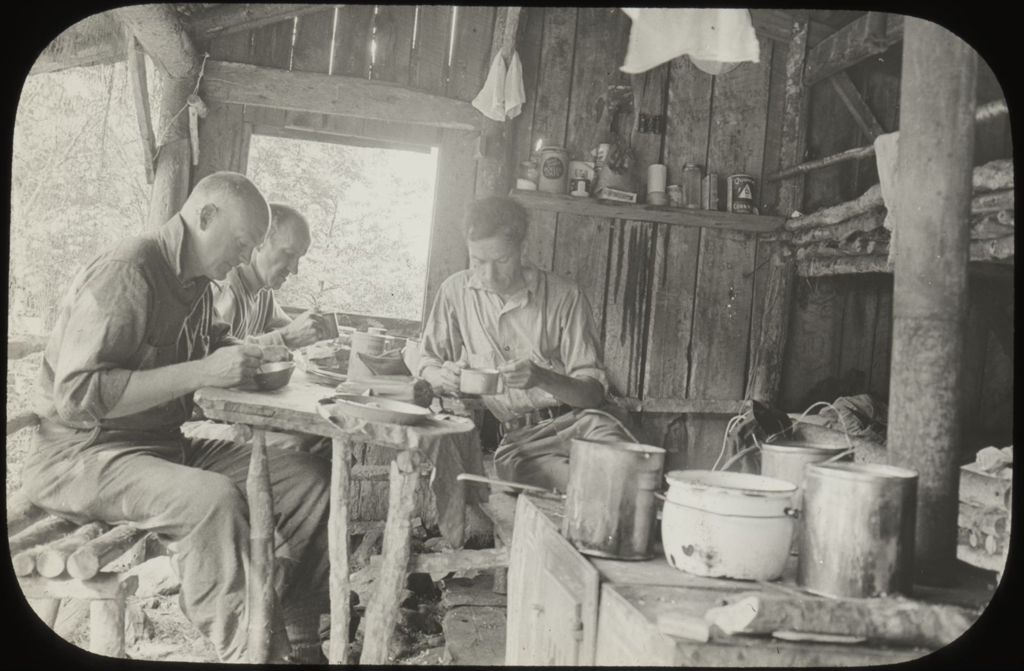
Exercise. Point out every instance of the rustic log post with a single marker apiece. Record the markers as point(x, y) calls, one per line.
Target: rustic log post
point(86, 561)
point(766, 364)
point(262, 599)
point(160, 31)
point(937, 105)
point(21, 514)
point(382, 611)
point(106, 626)
point(338, 548)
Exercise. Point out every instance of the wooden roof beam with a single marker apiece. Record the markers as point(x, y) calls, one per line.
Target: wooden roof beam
point(162, 34)
point(868, 36)
point(231, 18)
point(246, 84)
point(777, 24)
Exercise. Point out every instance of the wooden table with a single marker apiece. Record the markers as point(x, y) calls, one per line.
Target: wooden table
point(567, 608)
point(293, 408)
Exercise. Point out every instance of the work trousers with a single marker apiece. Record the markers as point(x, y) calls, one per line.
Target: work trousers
point(539, 455)
point(192, 495)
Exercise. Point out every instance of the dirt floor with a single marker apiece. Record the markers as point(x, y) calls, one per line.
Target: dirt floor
point(158, 631)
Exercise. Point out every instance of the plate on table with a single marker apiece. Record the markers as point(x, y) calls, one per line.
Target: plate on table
point(372, 409)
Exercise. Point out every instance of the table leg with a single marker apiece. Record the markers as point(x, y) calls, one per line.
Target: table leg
point(262, 598)
point(338, 549)
point(382, 611)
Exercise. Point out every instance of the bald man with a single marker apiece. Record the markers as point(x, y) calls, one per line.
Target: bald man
point(246, 299)
point(136, 334)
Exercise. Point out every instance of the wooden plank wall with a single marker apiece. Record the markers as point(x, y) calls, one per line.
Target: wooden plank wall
point(674, 304)
point(841, 327)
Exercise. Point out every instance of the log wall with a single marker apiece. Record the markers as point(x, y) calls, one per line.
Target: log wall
point(840, 333)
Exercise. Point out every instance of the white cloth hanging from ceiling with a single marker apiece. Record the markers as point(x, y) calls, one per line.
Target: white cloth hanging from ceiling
point(712, 38)
point(887, 159)
point(502, 95)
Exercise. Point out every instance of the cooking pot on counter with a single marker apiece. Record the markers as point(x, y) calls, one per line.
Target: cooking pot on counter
point(728, 525)
point(609, 506)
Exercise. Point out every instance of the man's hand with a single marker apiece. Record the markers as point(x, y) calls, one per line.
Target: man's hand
point(304, 330)
point(446, 378)
point(232, 366)
point(522, 374)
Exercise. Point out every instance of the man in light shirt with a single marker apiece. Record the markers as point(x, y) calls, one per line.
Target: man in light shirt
point(537, 329)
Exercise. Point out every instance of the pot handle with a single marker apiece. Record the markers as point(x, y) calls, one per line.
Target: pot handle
point(791, 512)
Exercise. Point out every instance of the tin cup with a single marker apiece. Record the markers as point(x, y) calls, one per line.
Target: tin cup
point(483, 381)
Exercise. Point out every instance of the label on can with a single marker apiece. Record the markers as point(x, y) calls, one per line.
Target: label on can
point(740, 194)
point(579, 187)
point(675, 195)
point(553, 167)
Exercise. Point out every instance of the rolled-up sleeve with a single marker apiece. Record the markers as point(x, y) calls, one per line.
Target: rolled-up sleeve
point(580, 347)
point(106, 325)
point(442, 337)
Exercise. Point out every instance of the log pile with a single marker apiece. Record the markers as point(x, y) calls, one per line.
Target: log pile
point(984, 517)
point(851, 238)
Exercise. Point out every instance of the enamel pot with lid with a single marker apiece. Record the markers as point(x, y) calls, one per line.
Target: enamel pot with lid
point(728, 525)
point(609, 505)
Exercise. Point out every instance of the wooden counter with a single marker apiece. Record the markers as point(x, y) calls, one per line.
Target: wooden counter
point(566, 608)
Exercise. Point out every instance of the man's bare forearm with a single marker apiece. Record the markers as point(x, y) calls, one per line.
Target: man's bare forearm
point(149, 388)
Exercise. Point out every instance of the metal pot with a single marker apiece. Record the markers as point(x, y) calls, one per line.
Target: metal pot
point(858, 535)
point(609, 506)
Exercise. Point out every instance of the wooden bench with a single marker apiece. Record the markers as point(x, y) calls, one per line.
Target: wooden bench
point(57, 559)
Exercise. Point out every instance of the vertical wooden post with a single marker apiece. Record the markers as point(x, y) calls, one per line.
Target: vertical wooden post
point(262, 599)
point(765, 378)
point(937, 102)
point(382, 611)
point(338, 548)
point(160, 31)
point(106, 626)
point(497, 139)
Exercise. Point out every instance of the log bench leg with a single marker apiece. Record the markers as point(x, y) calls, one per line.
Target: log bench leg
point(262, 597)
point(46, 609)
point(338, 548)
point(500, 574)
point(382, 611)
point(106, 626)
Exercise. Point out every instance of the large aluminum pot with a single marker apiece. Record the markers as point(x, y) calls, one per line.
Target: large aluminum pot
point(366, 343)
point(786, 460)
point(858, 537)
point(609, 505)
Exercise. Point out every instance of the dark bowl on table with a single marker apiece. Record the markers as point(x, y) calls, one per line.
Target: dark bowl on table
point(273, 375)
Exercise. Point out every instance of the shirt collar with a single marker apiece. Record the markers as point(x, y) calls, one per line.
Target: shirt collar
point(531, 276)
point(171, 237)
point(250, 279)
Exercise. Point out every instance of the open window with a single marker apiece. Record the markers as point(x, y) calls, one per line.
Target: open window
point(370, 207)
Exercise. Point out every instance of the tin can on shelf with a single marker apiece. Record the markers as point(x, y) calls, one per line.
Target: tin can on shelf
point(554, 170)
point(527, 174)
point(601, 154)
point(581, 178)
point(691, 186)
point(739, 194)
point(675, 195)
point(709, 191)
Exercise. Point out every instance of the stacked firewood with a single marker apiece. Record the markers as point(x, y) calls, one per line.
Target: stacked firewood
point(850, 237)
point(984, 517)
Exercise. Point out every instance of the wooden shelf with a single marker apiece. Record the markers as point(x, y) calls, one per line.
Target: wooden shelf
point(592, 207)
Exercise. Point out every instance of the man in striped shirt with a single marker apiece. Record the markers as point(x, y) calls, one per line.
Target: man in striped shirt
point(246, 299)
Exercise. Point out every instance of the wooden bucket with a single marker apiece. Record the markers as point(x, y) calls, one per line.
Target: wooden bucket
point(609, 505)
